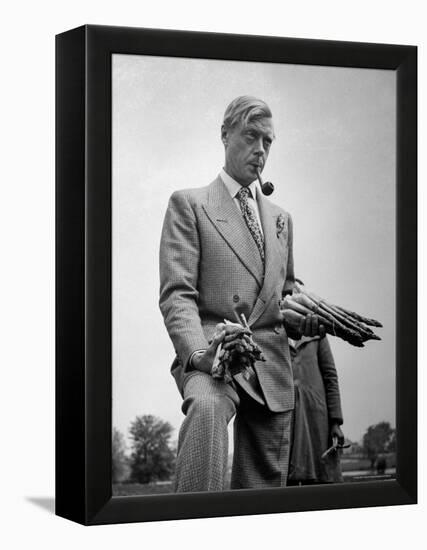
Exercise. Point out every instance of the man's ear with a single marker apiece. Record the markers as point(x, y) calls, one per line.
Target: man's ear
point(224, 135)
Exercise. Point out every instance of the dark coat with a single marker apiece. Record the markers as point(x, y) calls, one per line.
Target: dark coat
point(317, 402)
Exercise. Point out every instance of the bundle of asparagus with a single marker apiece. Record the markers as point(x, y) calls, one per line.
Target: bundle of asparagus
point(347, 325)
point(237, 352)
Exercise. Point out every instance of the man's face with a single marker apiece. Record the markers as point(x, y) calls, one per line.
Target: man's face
point(246, 149)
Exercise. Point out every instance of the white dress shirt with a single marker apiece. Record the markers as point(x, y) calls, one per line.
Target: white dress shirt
point(234, 187)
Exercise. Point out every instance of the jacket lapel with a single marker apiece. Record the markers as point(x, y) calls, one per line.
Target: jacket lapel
point(226, 218)
point(273, 258)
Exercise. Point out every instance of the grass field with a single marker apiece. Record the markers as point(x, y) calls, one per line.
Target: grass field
point(355, 468)
point(134, 489)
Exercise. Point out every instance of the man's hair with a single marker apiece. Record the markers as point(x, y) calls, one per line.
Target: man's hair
point(245, 109)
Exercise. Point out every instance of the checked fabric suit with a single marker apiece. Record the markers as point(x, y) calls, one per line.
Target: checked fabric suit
point(210, 266)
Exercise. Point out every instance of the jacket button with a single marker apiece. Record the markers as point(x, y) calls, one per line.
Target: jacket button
point(236, 298)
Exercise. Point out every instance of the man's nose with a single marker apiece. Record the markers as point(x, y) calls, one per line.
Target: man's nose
point(259, 148)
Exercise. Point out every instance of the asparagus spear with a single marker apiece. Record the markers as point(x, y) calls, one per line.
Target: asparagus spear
point(345, 312)
point(367, 321)
point(338, 321)
point(237, 355)
point(320, 306)
point(332, 326)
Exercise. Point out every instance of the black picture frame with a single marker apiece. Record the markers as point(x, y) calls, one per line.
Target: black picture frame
point(83, 274)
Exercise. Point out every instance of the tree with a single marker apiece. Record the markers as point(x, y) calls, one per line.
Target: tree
point(391, 446)
point(379, 438)
point(120, 462)
point(152, 457)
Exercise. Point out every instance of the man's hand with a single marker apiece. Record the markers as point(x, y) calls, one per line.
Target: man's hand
point(336, 433)
point(310, 326)
point(224, 333)
point(297, 325)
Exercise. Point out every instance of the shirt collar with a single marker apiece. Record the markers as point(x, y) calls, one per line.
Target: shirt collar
point(234, 186)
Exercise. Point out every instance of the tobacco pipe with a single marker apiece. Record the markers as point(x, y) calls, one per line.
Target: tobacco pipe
point(267, 188)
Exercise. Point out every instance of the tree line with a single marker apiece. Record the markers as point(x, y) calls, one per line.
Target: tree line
point(379, 439)
point(152, 456)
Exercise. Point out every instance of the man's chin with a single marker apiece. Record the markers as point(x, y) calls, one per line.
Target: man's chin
point(245, 179)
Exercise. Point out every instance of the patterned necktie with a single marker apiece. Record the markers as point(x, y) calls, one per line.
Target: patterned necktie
point(251, 220)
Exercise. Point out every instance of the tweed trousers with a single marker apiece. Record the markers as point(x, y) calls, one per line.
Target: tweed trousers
point(261, 439)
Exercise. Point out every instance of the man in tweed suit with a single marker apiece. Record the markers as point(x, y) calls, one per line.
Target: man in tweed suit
point(217, 258)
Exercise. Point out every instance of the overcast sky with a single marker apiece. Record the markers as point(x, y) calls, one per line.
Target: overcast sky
point(333, 166)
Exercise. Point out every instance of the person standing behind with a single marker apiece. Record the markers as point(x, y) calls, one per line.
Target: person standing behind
point(317, 414)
